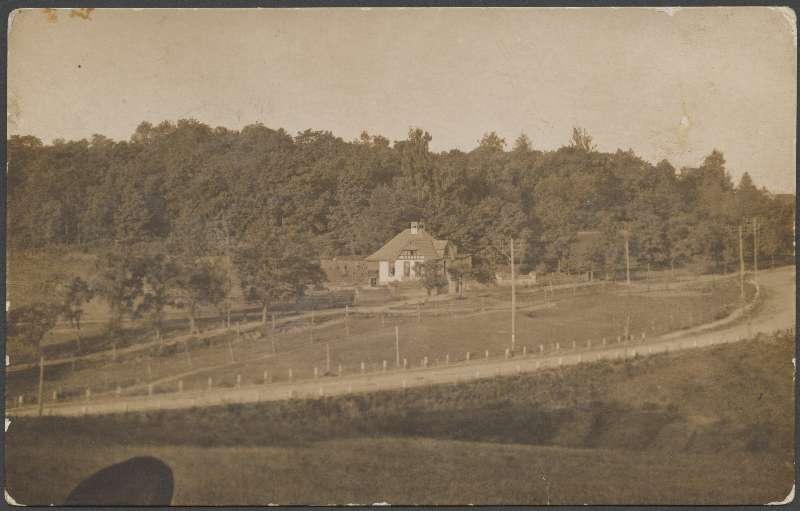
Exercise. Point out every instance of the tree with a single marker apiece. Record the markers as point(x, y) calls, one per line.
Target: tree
point(74, 294)
point(458, 271)
point(119, 280)
point(27, 326)
point(160, 276)
point(432, 277)
point(522, 144)
point(276, 266)
point(199, 283)
point(581, 140)
point(492, 142)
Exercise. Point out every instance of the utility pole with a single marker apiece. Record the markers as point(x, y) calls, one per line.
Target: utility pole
point(513, 301)
point(396, 346)
point(755, 249)
point(741, 264)
point(627, 263)
point(40, 399)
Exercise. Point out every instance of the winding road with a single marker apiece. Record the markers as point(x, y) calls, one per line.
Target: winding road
point(773, 310)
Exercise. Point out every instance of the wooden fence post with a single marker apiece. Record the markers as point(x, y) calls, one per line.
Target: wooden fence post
point(363, 368)
point(266, 376)
point(180, 386)
point(150, 389)
point(405, 363)
point(487, 353)
point(327, 358)
point(210, 383)
point(384, 365)
point(291, 374)
point(238, 380)
point(40, 396)
point(340, 370)
point(467, 358)
point(316, 372)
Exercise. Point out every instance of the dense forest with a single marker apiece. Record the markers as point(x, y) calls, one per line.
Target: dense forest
point(199, 189)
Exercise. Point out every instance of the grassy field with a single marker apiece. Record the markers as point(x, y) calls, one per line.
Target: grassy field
point(448, 329)
point(711, 426)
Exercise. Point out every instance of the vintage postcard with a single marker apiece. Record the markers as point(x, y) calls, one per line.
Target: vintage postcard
point(405, 256)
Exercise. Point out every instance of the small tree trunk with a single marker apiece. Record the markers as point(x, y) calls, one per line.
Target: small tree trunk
point(78, 336)
point(264, 314)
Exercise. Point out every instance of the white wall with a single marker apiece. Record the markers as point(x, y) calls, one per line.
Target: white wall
point(385, 278)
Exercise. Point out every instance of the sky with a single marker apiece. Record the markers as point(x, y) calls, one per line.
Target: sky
point(667, 83)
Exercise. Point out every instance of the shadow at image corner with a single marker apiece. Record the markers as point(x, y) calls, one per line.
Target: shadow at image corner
point(138, 481)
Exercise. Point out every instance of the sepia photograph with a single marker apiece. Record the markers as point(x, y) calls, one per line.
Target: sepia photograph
point(400, 256)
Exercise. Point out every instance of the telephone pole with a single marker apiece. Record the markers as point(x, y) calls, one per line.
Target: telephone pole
point(741, 264)
point(40, 397)
point(627, 263)
point(755, 249)
point(513, 302)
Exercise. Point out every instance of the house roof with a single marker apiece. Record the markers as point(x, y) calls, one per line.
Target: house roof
point(440, 246)
point(426, 246)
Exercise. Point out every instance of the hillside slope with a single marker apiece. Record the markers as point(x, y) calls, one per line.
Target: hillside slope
point(713, 425)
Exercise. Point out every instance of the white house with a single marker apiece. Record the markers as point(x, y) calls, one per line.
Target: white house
point(399, 257)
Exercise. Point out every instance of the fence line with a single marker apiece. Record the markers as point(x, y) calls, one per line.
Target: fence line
point(150, 386)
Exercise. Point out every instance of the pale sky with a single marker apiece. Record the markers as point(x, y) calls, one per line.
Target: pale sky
point(669, 85)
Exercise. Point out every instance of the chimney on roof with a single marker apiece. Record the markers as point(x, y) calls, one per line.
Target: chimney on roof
point(414, 227)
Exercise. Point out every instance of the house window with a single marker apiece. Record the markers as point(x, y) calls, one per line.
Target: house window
point(406, 269)
point(391, 268)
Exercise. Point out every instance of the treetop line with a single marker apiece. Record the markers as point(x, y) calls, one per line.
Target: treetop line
point(195, 190)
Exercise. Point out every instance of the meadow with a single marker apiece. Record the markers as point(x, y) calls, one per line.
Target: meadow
point(711, 426)
point(438, 330)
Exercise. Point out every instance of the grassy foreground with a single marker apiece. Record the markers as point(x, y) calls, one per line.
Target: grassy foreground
point(711, 426)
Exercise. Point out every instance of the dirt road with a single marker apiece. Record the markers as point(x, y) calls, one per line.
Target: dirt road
point(774, 310)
